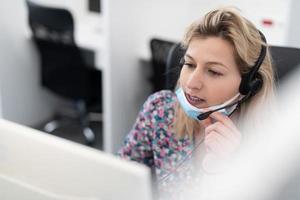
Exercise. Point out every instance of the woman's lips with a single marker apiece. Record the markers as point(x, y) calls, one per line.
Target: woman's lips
point(195, 101)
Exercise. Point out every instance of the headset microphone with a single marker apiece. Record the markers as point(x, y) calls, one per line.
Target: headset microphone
point(205, 115)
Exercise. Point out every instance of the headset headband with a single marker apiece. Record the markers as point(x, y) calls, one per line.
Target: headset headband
point(252, 81)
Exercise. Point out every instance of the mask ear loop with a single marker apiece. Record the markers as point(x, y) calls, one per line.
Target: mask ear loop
point(237, 108)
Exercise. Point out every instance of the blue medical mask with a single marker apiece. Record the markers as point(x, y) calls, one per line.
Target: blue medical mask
point(194, 112)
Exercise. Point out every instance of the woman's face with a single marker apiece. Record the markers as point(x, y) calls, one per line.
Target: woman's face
point(209, 75)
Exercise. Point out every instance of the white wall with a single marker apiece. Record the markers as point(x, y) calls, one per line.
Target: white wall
point(256, 11)
point(121, 84)
point(293, 35)
point(159, 18)
point(164, 19)
point(22, 99)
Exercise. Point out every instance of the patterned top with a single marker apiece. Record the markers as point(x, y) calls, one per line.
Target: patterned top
point(152, 142)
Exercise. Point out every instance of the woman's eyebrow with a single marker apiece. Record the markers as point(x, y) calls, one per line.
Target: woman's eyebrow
point(210, 63)
point(218, 63)
point(189, 56)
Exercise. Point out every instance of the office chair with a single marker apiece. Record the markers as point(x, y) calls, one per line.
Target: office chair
point(173, 67)
point(285, 60)
point(63, 68)
point(159, 53)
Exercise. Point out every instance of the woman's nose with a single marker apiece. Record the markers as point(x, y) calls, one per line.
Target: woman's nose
point(195, 80)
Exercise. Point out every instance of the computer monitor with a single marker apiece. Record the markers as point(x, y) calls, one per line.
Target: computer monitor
point(35, 165)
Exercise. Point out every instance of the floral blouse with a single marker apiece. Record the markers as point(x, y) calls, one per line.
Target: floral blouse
point(153, 143)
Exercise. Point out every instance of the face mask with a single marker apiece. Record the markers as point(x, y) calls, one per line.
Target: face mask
point(194, 112)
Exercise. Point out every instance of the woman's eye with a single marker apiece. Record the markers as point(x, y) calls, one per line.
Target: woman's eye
point(214, 73)
point(190, 65)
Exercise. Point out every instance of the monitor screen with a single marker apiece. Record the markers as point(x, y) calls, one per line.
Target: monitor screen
point(36, 165)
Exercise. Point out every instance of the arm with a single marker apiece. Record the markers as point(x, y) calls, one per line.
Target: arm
point(138, 143)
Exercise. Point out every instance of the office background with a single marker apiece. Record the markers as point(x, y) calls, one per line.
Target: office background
point(120, 36)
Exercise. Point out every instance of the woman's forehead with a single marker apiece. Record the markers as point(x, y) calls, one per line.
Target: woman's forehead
point(212, 49)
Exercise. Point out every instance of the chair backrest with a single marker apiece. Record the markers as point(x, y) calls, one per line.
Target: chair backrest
point(51, 24)
point(173, 65)
point(285, 60)
point(63, 70)
point(159, 53)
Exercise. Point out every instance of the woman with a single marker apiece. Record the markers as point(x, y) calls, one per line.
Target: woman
point(226, 69)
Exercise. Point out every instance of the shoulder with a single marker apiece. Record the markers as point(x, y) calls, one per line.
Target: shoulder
point(163, 98)
point(159, 110)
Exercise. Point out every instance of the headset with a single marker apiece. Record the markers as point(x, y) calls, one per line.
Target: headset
point(250, 84)
point(252, 81)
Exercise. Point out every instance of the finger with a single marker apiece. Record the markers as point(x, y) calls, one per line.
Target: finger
point(220, 145)
point(223, 133)
point(223, 130)
point(212, 144)
point(224, 120)
point(221, 140)
point(216, 143)
point(206, 122)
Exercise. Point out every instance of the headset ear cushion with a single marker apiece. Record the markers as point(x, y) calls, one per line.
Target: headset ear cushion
point(244, 88)
point(253, 86)
point(256, 85)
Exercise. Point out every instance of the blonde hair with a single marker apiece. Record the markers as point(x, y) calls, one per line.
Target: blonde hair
point(228, 24)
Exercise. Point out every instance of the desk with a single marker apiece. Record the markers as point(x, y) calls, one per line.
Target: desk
point(89, 34)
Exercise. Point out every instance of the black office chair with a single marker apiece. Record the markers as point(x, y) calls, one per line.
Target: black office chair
point(285, 60)
point(173, 65)
point(63, 67)
point(159, 53)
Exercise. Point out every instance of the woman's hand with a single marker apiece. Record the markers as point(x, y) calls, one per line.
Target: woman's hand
point(222, 139)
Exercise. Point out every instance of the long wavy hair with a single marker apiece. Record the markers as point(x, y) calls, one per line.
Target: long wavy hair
point(227, 23)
